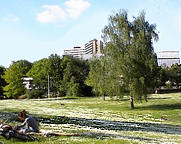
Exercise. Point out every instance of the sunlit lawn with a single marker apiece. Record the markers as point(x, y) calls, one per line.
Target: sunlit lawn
point(160, 109)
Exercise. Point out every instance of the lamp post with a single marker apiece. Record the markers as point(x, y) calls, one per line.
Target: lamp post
point(48, 86)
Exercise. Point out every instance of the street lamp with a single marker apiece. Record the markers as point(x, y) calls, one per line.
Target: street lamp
point(48, 86)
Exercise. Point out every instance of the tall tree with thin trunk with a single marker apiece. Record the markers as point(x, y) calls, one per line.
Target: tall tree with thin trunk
point(129, 48)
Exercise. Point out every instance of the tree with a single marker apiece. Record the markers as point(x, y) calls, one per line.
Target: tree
point(129, 48)
point(103, 77)
point(2, 80)
point(45, 68)
point(67, 75)
point(73, 88)
point(66, 67)
point(13, 76)
point(55, 72)
point(95, 78)
point(75, 72)
point(163, 76)
point(39, 72)
point(175, 72)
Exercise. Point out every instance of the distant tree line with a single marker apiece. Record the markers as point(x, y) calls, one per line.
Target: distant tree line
point(67, 76)
point(169, 77)
point(128, 66)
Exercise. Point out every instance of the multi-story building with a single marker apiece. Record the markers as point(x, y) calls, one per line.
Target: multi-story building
point(168, 58)
point(93, 47)
point(75, 52)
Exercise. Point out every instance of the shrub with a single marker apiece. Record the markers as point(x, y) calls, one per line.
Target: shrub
point(73, 90)
point(33, 94)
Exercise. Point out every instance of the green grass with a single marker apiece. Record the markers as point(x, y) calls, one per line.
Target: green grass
point(160, 109)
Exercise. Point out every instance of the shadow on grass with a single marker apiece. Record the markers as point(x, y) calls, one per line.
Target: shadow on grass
point(8, 117)
point(53, 99)
point(104, 124)
point(151, 98)
point(113, 125)
point(115, 136)
point(161, 107)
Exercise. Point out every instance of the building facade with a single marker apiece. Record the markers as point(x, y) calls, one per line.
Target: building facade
point(93, 47)
point(168, 58)
point(75, 52)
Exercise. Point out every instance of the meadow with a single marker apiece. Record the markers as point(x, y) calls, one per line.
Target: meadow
point(92, 120)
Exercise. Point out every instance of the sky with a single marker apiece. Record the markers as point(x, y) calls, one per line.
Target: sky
point(35, 29)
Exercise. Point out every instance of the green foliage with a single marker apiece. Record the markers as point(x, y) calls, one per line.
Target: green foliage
point(2, 81)
point(55, 72)
point(67, 75)
point(13, 76)
point(95, 78)
point(169, 77)
point(39, 72)
point(47, 67)
point(75, 72)
point(73, 88)
point(129, 53)
point(34, 93)
point(163, 76)
point(175, 74)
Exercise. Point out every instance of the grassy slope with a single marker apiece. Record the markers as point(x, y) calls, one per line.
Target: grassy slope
point(161, 109)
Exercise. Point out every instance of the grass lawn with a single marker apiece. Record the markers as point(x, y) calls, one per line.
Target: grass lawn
point(101, 122)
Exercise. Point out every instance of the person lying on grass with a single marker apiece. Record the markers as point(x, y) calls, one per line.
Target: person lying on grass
point(30, 123)
point(6, 130)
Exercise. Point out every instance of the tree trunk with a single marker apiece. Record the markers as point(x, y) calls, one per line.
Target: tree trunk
point(104, 97)
point(132, 102)
point(178, 85)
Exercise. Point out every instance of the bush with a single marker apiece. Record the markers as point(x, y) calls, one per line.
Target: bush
point(33, 94)
point(73, 90)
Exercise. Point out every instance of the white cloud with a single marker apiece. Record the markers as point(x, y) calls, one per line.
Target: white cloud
point(52, 13)
point(10, 18)
point(76, 7)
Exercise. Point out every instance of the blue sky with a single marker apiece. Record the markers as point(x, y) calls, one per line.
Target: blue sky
point(34, 29)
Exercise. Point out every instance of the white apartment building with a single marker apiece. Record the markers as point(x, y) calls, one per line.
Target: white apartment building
point(75, 52)
point(93, 47)
point(168, 58)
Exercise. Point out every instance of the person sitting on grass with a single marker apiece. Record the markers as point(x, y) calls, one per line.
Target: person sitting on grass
point(30, 124)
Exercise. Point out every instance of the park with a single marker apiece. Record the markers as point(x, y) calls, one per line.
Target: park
point(92, 120)
point(123, 96)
